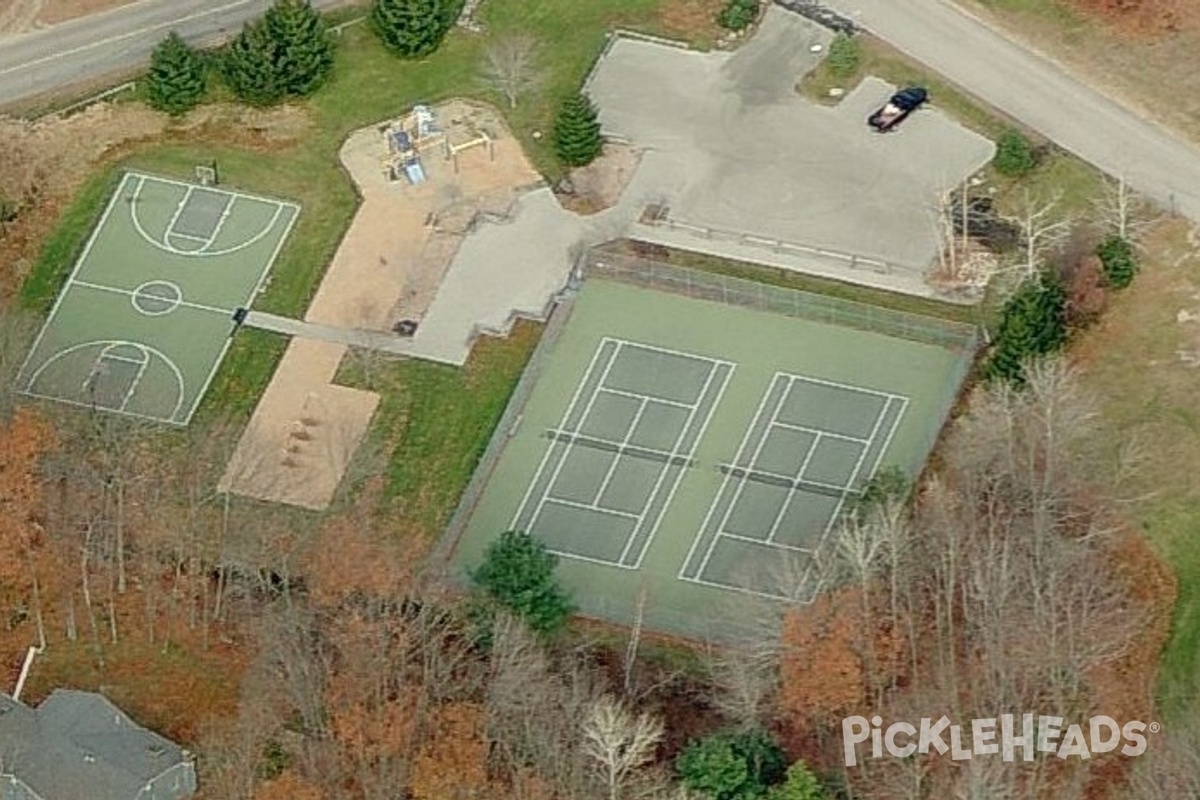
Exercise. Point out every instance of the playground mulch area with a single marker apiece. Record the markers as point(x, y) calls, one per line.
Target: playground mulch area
point(692, 453)
point(146, 315)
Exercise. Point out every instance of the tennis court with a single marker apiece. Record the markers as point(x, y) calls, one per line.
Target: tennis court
point(685, 452)
point(143, 321)
point(614, 461)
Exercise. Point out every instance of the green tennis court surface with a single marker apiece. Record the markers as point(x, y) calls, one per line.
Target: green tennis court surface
point(696, 451)
point(145, 317)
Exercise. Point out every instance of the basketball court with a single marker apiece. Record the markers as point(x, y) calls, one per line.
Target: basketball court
point(145, 317)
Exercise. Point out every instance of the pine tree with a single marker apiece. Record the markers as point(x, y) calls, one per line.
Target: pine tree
point(517, 573)
point(303, 54)
point(176, 81)
point(412, 28)
point(1033, 324)
point(249, 66)
point(577, 137)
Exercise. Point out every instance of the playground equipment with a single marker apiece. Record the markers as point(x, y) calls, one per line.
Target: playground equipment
point(405, 160)
point(472, 138)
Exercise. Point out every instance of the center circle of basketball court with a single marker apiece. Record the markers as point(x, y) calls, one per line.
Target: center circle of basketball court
point(155, 298)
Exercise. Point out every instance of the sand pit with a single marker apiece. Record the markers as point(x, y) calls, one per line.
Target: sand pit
point(387, 269)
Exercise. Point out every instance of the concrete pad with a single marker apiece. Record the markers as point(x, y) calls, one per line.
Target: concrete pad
point(734, 148)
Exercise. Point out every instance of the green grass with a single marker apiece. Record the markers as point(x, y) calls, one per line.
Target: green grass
point(434, 423)
point(65, 244)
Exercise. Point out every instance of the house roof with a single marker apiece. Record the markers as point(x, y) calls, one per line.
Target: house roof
point(78, 744)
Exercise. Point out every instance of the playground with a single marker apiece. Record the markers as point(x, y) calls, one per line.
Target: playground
point(147, 313)
point(426, 178)
point(691, 452)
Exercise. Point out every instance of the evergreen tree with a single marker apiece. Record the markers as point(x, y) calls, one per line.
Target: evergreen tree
point(1119, 261)
point(413, 28)
point(517, 573)
point(1032, 324)
point(577, 137)
point(843, 56)
point(176, 81)
point(249, 66)
point(303, 55)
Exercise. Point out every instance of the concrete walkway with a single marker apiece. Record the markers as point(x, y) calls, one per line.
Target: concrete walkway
point(1040, 93)
point(370, 340)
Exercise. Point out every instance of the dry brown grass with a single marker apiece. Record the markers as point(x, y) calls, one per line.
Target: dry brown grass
point(691, 20)
point(1146, 57)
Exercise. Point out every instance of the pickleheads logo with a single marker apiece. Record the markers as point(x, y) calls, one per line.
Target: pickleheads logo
point(1004, 736)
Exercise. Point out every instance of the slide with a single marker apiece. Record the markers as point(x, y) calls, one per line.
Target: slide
point(416, 175)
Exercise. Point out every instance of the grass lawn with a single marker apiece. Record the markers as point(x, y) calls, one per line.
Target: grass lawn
point(434, 423)
point(1136, 365)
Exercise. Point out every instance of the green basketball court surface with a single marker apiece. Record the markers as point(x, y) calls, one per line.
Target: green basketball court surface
point(697, 452)
point(146, 315)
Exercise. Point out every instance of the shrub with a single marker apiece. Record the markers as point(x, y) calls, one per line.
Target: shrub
point(1014, 154)
point(843, 56)
point(1118, 260)
point(1032, 324)
point(177, 78)
point(517, 573)
point(800, 784)
point(738, 14)
point(577, 139)
point(413, 28)
point(731, 766)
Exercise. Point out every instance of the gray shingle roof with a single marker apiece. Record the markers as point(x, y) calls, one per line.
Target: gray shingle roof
point(80, 745)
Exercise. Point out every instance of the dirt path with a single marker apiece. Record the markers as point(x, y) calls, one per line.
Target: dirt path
point(18, 16)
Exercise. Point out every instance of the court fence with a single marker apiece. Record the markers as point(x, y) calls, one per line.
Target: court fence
point(651, 274)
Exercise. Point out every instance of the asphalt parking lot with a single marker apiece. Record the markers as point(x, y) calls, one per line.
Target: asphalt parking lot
point(731, 145)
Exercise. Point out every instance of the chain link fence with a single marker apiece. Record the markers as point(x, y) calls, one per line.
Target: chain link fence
point(730, 290)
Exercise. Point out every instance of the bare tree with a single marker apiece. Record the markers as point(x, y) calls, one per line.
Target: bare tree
point(1122, 212)
point(618, 742)
point(1042, 227)
point(511, 68)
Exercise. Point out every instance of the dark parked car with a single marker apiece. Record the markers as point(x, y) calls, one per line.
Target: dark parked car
point(897, 109)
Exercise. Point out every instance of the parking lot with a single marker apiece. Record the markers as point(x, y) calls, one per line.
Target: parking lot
point(732, 146)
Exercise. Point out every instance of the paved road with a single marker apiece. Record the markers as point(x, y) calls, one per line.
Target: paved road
point(89, 48)
point(1040, 94)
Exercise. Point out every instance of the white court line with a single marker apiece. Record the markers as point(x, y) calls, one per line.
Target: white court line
point(700, 435)
point(233, 192)
point(793, 493)
point(178, 212)
point(589, 559)
point(764, 543)
point(179, 235)
point(225, 213)
point(262, 277)
point(837, 510)
point(228, 312)
point(635, 396)
point(848, 386)
point(587, 409)
point(888, 442)
point(134, 384)
point(549, 450)
point(125, 359)
point(87, 249)
point(166, 246)
point(146, 348)
point(820, 432)
point(720, 492)
point(612, 468)
point(612, 512)
point(741, 486)
point(712, 371)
